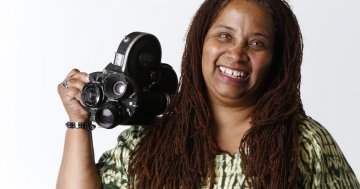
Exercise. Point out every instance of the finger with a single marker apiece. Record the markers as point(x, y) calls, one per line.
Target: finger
point(72, 72)
point(69, 83)
point(76, 83)
point(75, 79)
point(84, 77)
point(69, 93)
point(78, 97)
point(71, 100)
point(61, 87)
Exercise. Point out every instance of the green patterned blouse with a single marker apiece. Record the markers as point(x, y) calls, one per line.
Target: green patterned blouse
point(321, 163)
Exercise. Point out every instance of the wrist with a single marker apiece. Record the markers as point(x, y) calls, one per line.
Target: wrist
point(80, 125)
point(83, 119)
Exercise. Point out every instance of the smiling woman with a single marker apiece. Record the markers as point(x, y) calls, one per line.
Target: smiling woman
point(236, 121)
point(237, 54)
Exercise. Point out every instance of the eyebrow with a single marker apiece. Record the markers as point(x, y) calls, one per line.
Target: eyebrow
point(232, 29)
point(224, 26)
point(261, 34)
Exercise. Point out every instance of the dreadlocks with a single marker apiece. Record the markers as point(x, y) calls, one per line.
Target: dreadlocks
point(179, 149)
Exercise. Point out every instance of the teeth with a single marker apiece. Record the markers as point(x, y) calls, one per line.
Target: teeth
point(233, 73)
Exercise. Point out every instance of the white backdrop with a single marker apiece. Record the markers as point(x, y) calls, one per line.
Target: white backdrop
point(42, 40)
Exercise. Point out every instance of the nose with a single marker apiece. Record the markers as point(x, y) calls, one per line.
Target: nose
point(238, 53)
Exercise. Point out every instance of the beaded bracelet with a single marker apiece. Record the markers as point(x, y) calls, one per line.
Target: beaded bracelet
point(80, 125)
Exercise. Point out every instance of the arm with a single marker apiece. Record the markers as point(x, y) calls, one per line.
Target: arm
point(77, 168)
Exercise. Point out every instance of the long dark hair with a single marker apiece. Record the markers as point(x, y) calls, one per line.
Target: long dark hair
point(179, 149)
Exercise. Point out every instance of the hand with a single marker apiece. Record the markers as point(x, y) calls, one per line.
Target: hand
point(70, 94)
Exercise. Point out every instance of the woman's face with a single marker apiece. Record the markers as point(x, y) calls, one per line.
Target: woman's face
point(237, 53)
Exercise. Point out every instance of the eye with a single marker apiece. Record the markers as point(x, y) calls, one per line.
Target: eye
point(224, 36)
point(257, 45)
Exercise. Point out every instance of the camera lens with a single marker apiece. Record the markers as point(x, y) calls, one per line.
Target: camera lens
point(91, 95)
point(119, 88)
point(109, 115)
point(105, 118)
point(115, 86)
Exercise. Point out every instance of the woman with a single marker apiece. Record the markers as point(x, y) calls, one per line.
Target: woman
point(237, 120)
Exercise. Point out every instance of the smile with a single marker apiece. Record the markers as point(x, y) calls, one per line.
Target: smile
point(233, 73)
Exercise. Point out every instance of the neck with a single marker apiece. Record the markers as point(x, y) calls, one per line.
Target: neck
point(231, 125)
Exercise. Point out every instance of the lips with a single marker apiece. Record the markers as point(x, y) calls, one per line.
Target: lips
point(237, 74)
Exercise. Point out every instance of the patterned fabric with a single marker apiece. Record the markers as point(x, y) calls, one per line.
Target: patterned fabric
point(321, 163)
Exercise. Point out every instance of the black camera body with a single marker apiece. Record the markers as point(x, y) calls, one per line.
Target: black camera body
point(135, 88)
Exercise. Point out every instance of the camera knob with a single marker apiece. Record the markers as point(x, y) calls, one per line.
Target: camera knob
point(154, 76)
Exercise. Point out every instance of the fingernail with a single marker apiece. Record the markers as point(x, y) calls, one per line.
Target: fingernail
point(87, 79)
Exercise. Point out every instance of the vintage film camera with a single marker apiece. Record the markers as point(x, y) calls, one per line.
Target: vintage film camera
point(135, 88)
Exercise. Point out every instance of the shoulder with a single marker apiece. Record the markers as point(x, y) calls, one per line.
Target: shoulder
point(321, 161)
point(316, 143)
point(130, 137)
point(126, 142)
point(312, 132)
point(113, 164)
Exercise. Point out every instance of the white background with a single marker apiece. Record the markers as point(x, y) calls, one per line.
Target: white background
point(42, 40)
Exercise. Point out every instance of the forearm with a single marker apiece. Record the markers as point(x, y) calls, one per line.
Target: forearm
point(78, 168)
